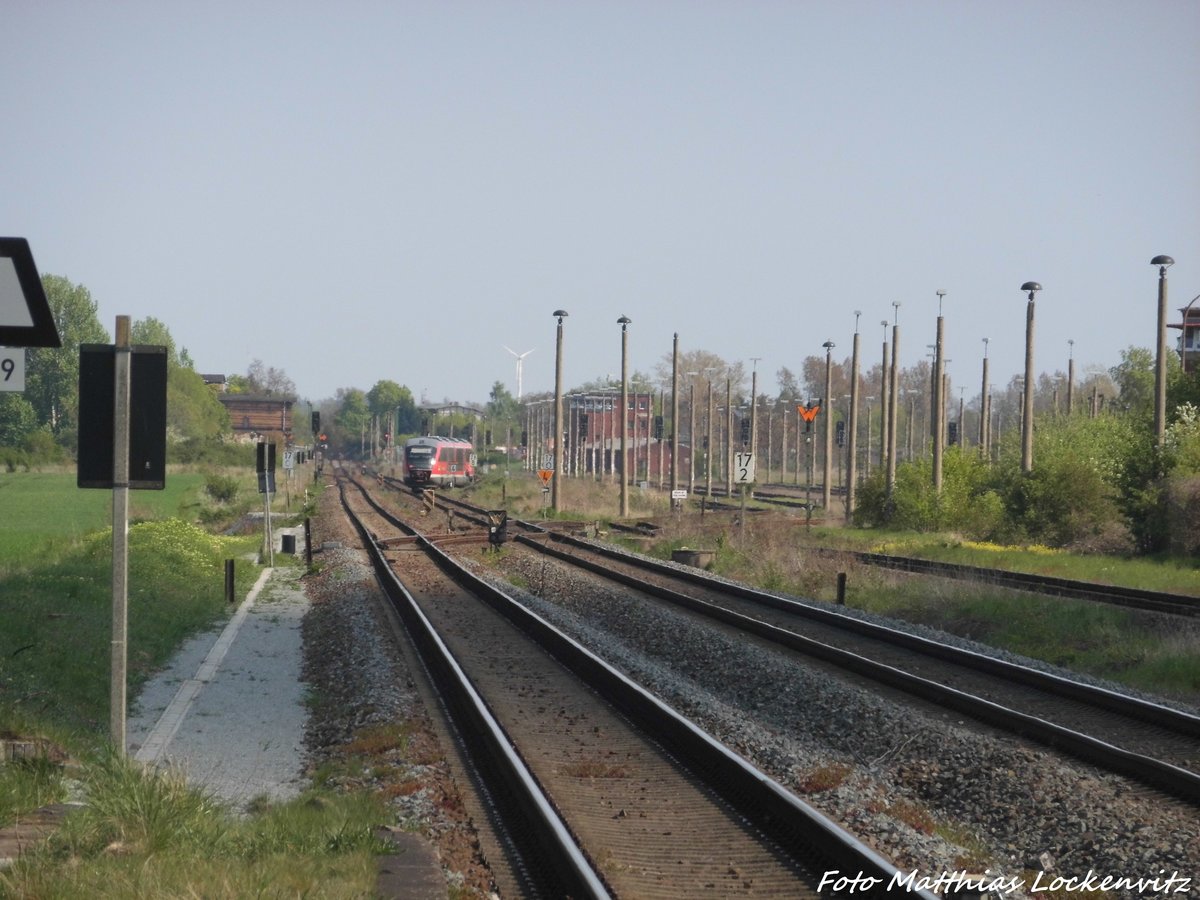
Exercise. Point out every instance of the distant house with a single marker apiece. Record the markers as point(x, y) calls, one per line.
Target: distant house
point(1189, 337)
point(252, 415)
point(216, 381)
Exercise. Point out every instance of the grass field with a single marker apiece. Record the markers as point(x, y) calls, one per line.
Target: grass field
point(142, 832)
point(42, 513)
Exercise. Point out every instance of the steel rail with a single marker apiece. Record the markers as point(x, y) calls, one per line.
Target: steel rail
point(1172, 779)
point(772, 807)
point(552, 855)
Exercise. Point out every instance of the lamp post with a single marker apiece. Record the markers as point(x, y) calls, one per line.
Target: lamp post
point(674, 416)
point(827, 474)
point(624, 323)
point(894, 390)
point(1027, 406)
point(984, 412)
point(883, 393)
point(852, 449)
point(939, 401)
point(1160, 366)
point(1070, 374)
point(555, 497)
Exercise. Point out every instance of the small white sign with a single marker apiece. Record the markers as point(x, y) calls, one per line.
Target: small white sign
point(289, 460)
point(548, 461)
point(12, 369)
point(679, 495)
point(743, 468)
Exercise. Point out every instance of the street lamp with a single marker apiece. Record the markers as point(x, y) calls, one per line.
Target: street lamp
point(826, 487)
point(624, 323)
point(939, 401)
point(883, 393)
point(1027, 407)
point(892, 399)
point(852, 443)
point(1070, 374)
point(984, 412)
point(555, 497)
point(1160, 366)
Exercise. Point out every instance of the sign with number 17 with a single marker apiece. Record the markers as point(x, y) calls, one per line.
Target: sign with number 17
point(12, 369)
point(743, 468)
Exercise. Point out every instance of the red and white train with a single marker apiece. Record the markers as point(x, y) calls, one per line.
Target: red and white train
point(438, 461)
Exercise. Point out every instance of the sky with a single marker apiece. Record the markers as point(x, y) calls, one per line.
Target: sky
point(399, 190)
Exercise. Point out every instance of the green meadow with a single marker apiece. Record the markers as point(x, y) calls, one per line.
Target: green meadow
point(44, 513)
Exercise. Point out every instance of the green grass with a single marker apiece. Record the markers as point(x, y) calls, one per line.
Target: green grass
point(142, 833)
point(1176, 575)
point(147, 833)
point(55, 645)
point(1155, 654)
point(41, 513)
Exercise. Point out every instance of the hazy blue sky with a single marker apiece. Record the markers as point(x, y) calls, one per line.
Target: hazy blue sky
point(359, 191)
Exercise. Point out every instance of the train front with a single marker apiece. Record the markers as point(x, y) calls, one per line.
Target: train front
point(418, 463)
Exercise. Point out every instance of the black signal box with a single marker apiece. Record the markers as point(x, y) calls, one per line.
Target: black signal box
point(147, 416)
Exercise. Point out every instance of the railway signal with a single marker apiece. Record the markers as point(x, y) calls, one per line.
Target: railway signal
point(809, 413)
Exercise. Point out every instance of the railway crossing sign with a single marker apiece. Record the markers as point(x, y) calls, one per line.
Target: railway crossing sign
point(25, 317)
point(545, 475)
point(743, 468)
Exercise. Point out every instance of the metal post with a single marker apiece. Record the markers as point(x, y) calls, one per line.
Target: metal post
point(691, 435)
point(729, 438)
point(1070, 377)
point(884, 381)
point(1160, 366)
point(625, 474)
point(710, 451)
point(555, 493)
point(120, 542)
point(890, 435)
point(1027, 407)
point(939, 399)
point(827, 476)
point(852, 446)
point(983, 407)
point(675, 414)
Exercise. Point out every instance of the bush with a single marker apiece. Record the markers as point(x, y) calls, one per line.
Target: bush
point(1064, 500)
point(221, 488)
point(1183, 513)
point(966, 503)
point(13, 459)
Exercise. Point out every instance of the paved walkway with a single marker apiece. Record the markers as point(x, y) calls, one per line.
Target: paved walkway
point(229, 710)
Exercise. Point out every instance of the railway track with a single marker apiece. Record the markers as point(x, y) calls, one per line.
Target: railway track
point(603, 782)
point(1117, 595)
point(1155, 744)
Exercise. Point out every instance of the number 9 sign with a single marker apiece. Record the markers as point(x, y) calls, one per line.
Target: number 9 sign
point(12, 369)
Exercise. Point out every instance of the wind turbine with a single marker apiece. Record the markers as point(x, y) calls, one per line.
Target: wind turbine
point(520, 364)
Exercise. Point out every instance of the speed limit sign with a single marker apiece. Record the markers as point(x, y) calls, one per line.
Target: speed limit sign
point(12, 369)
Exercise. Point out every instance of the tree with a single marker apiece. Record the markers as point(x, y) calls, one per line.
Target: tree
point(193, 411)
point(351, 419)
point(387, 397)
point(52, 374)
point(262, 380)
point(154, 333)
point(1134, 377)
point(17, 419)
point(502, 406)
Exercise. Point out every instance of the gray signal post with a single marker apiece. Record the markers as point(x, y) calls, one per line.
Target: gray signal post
point(120, 527)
